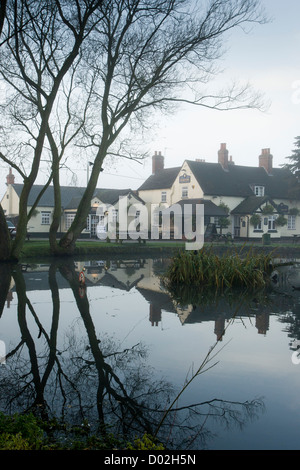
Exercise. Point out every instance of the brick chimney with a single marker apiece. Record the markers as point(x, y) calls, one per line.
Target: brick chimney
point(157, 163)
point(223, 156)
point(266, 160)
point(10, 179)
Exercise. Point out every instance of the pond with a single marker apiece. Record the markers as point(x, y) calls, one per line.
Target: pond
point(120, 348)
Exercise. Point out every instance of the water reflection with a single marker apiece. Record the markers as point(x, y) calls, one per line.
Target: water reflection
point(90, 376)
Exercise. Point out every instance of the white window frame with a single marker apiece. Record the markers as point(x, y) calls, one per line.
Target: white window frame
point(69, 217)
point(259, 191)
point(88, 223)
point(217, 221)
point(184, 192)
point(272, 222)
point(164, 196)
point(115, 215)
point(45, 216)
point(258, 226)
point(291, 225)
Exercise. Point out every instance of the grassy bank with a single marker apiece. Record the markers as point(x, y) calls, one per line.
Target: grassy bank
point(40, 248)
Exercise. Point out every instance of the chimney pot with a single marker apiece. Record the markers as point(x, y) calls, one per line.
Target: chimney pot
point(223, 156)
point(157, 163)
point(10, 179)
point(266, 160)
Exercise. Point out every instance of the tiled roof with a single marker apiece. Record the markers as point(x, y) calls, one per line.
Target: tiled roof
point(237, 180)
point(210, 209)
point(162, 180)
point(251, 204)
point(71, 196)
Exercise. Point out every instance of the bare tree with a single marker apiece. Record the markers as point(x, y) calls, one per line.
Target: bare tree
point(2, 13)
point(152, 55)
point(135, 57)
point(40, 43)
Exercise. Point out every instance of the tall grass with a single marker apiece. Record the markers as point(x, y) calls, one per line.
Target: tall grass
point(204, 268)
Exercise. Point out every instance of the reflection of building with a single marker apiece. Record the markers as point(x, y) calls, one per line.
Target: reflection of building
point(143, 276)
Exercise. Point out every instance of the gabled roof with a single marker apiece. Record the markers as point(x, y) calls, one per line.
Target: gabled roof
point(47, 200)
point(239, 180)
point(111, 196)
point(236, 181)
point(251, 204)
point(164, 179)
point(71, 196)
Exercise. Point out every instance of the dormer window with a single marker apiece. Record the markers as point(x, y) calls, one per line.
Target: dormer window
point(259, 190)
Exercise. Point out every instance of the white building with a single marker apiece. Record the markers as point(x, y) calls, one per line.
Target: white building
point(260, 199)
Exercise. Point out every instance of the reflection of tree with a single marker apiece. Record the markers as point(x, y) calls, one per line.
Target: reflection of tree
point(5, 277)
point(93, 378)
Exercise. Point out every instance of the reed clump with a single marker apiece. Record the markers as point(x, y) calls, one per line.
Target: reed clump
point(204, 268)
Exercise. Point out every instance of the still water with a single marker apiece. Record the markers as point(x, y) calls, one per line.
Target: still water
point(121, 348)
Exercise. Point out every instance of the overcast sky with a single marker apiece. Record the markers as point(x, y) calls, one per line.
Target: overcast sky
point(268, 57)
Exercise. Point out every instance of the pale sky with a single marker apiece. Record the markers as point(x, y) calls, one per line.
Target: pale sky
point(267, 57)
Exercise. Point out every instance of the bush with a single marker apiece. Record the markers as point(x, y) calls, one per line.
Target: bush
point(20, 432)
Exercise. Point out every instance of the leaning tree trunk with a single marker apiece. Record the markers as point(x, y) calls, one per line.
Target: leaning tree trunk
point(68, 241)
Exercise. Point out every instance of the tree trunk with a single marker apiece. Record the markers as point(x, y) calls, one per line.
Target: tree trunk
point(68, 241)
point(5, 238)
point(54, 247)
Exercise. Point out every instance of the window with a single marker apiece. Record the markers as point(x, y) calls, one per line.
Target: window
point(258, 226)
point(69, 219)
point(185, 192)
point(259, 190)
point(271, 222)
point(291, 225)
point(164, 196)
point(115, 215)
point(217, 221)
point(46, 218)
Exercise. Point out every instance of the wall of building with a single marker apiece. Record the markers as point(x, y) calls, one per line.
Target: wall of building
point(185, 179)
point(10, 202)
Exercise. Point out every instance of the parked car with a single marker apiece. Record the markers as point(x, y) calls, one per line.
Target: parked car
point(11, 228)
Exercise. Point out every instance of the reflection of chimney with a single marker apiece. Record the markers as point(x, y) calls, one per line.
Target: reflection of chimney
point(223, 156)
point(266, 160)
point(157, 163)
point(10, 179)
point(9, 298)
point(154, 315)
point(262, 323)
point(219, 328)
